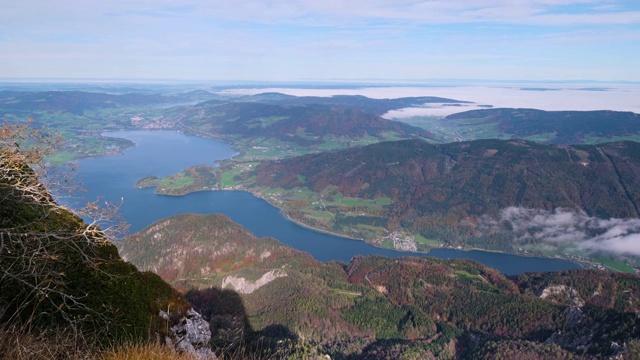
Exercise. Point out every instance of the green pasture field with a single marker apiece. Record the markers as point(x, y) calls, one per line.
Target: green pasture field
point(353, 294)
point(60, 158)
point(593, 140)
point(542, 138)
point(615, 265)
point(468, 129)
point(377, 203)
point(467, 275)
point(423, 240)
point(226, 179)
point(175, 182)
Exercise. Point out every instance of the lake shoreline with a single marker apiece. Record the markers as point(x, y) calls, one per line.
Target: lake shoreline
point(418, 253)
point(113, 178)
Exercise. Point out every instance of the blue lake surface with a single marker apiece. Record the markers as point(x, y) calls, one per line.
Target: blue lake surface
point(162, 153)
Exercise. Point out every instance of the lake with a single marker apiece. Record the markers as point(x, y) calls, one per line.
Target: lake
point(162, 153)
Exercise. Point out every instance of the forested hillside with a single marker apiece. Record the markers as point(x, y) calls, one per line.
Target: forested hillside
point(80, 102)
point(552, 127)
point(375, 307)
point(459, 192)
point(359, 102)
point(303, 125)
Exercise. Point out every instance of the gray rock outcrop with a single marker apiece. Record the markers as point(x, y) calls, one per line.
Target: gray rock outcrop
point(190, 334)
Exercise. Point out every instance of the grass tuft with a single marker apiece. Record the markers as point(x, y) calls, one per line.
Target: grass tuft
point(18, 343)
point(148, 351)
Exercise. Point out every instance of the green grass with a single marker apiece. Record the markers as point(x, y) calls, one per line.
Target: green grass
point(233, 175)
point(544, 137)
point(387, 244)
point(423, 240)
point(616, 265)
point(391, 136)
point(482, 131)
point(447, 131)
point(175, 183)
point(347, 201)
point(592, 140)
point(425, 122)
point(226, 179)
point(334, 142)
point(353, 294)
point(61, 158)
point(371, 228)
point(269, 148)
point(464, 275)
point(318, 211)
point(270, 120)
point(319, 215)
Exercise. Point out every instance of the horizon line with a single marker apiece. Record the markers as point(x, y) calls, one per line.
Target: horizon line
point(371, 81)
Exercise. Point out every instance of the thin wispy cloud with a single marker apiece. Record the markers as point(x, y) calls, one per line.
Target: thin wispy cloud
point(438, 12)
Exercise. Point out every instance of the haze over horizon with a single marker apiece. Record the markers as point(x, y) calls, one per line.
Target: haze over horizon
point(277, 40)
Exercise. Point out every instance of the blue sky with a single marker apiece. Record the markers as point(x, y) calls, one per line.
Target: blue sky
point(296, 40)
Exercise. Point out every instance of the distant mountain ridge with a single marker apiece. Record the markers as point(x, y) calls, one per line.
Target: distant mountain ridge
point(77, 102)
point(356, 102)
point(305, 125)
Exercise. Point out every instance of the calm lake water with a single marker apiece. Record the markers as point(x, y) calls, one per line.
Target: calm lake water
point(162, 153)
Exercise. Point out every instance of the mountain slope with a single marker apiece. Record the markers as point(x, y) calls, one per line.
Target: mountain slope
point(553, 127)
point(356, 102)
point(374, 307)
point(304, 125)
point(444, 191)
point(57, 272)
point(78, 102)
point(190, 249)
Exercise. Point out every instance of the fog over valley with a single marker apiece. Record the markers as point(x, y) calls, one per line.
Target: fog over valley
point(550, 97)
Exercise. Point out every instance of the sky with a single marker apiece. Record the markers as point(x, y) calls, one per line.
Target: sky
point(321, 40)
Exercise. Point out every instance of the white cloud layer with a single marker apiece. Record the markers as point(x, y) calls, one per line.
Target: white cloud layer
point(567, 228)
point(557, 98)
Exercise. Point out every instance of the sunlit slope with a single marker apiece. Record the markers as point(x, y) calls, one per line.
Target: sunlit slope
point(552, 127)
point(458, 192)
point(374, 307)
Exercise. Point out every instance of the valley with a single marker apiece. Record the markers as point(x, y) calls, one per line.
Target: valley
point(351, 236)
point(366, 214)
point(266, 129)
point(112, 178)
point(320, 180)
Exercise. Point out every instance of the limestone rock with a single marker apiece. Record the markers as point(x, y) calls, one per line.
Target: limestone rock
point(190, 334)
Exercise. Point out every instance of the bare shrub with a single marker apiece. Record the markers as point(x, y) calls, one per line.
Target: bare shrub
point(41, 242)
